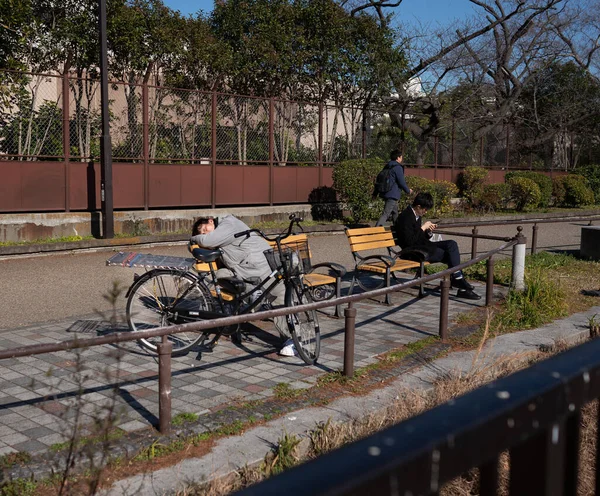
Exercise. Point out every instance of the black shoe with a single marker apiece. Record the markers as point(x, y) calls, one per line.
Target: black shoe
point(467, 294)
point(461, 283)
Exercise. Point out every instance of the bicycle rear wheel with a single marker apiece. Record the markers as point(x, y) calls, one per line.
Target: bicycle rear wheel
point(167, 297)
point(303, 326)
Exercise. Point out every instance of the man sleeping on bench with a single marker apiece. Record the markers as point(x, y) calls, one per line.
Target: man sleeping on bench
point(411, 234)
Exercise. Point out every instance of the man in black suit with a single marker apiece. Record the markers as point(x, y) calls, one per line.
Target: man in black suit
point(411, 233)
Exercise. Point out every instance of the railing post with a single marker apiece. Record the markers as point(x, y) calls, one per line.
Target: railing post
point(320, 145)
point(350, 316)
point(164, 385)
point(489, 287)
point(518, 261)
point(474, 242)
point(534, 238)
point(445, 297)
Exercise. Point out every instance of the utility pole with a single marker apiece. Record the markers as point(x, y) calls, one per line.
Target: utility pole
point(106, 180)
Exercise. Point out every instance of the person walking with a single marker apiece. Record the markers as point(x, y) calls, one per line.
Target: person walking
point(394, 183)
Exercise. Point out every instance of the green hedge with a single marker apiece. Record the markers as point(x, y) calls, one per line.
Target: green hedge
point(592, 174)
point(441, 191)
point(572, 191)
point(494, 197)
point(544, 183)
point(471, 183)
point(525, 193)
point(353, 180)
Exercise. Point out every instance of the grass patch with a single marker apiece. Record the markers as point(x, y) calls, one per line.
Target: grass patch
point(18, 458)
point(284, 391)
point(112, 435)
point(62, 239)
point(185, 417)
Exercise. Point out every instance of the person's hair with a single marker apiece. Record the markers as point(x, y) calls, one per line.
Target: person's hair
point(394, 154)
point(423, 200)
point(200, 221)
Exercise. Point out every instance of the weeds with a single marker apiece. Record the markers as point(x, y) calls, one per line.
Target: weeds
point(182, 418)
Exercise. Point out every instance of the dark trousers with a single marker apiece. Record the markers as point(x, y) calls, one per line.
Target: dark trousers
point(445, 251)
point(390, 209)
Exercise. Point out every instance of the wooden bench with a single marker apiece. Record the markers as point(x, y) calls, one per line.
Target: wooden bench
point(322, 286)
point(373, 271)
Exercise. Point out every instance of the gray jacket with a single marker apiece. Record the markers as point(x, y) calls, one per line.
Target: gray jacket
point(243, 256)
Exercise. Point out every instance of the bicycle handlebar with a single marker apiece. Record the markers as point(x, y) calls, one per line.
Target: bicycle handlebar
point(279, 237)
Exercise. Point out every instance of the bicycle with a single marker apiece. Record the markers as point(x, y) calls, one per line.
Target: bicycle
point(163, 297)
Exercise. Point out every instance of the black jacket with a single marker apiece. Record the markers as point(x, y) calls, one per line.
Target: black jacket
point(408, 233)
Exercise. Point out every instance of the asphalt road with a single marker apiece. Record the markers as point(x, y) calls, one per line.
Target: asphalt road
point(38, 289)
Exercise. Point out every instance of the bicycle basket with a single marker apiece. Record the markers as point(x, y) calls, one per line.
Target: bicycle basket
point(295, 256)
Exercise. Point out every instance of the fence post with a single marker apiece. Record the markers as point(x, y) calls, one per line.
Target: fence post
point(66, 138)
point(518, 261)
point(489, 286)
point(271, 148)
point(213, 140)
point(350, 315)
point(445, 296)
point(474, 242)
point(320, 145)
point(534, 238)
point(146, 144)
point(164, 385)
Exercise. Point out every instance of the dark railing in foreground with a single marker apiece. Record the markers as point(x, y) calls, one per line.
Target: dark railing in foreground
point(534, 414)
point(165, 348)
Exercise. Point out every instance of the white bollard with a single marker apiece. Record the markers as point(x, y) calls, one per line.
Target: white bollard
point(518, 262)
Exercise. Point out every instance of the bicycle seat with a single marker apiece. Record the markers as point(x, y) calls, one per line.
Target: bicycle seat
point(232, 285)
point(206, 255)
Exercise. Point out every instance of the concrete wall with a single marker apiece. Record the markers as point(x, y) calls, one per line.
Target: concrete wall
point(35, 226)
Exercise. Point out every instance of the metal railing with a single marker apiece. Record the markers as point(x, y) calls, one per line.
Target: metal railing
point(535, 415)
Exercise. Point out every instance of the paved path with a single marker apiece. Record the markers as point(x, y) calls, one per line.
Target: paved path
point(60, 286)
point(38, 394)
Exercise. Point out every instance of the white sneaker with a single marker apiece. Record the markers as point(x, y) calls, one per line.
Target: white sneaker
point(289, 349)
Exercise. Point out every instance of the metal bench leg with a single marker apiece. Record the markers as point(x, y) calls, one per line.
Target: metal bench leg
point(352, 283)
point(338, 293)
point(387, 300)
point(421, 274)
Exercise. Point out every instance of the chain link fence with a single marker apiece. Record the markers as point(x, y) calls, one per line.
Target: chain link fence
point(168, 125)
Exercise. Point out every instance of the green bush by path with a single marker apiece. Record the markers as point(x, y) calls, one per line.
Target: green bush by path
point(353, 180)
point(572, 191)
point(494, 197)
point(471, 183)
point(544, 183)
point(525, 193)
point(592, 174)
point(441, 191)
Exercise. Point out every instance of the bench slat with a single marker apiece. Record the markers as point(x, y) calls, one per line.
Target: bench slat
point(315, 279)
point(372, 246)
point(365, 230)
point(400, 265)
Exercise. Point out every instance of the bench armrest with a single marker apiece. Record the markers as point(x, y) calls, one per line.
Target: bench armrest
point(414, 254)
point(337, 269)
point(389, 261)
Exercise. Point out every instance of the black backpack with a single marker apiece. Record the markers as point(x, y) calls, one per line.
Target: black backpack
point(384, 182)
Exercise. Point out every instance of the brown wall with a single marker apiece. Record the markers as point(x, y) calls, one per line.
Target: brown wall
point(41, 186)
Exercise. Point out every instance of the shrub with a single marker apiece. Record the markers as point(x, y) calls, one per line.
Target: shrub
point(353, 180)
point(471, 183)
point(441, 191)
point(324, 204)
point(494, 197)
point(525, 193)
point(544, 183)
point(572, 191)
point(592, 174)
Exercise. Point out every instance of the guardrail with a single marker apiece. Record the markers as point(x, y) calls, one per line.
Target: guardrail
point(165, 348)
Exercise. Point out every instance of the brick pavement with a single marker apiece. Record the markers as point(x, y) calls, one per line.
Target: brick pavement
point(39, 394)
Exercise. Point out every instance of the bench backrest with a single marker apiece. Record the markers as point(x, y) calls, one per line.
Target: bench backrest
point(369, 238)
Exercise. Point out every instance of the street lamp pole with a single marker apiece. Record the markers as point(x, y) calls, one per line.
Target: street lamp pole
point(106, 184)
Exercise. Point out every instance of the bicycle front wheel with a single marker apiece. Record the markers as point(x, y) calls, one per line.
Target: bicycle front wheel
point(303, 326)
point(166, 297)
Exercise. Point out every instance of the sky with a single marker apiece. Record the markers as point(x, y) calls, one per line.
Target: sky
point(433, 12)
